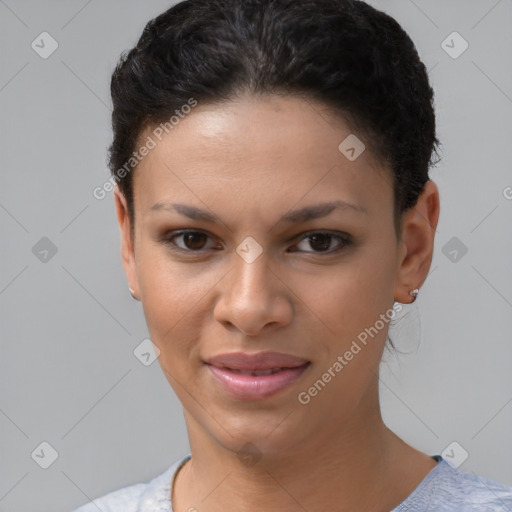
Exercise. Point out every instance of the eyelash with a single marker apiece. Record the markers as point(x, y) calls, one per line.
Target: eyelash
point(345, 241)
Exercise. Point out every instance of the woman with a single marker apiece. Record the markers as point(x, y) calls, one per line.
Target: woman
point(271, 160)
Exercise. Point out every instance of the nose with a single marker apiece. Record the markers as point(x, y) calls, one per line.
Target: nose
point(253, 297)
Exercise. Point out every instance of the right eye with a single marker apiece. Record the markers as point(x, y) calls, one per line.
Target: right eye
point(191, 240)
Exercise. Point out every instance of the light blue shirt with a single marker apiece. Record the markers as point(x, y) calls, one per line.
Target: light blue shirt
point(444, 489)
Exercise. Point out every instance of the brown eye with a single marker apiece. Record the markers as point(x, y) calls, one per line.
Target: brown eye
point(322, 242)
point(194, 240)
point(186, 241)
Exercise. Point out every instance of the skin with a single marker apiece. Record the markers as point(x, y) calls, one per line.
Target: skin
point(248, 162)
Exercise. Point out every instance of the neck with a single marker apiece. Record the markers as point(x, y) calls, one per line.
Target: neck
point(358, 465)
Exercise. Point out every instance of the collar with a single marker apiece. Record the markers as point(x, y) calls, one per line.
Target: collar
point(157, 495)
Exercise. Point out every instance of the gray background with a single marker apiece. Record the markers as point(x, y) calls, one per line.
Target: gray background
point(68, 374)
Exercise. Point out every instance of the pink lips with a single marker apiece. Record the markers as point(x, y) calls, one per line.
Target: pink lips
point(255, 376)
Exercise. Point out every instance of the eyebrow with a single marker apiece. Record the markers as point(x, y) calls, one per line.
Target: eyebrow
point(295, 216)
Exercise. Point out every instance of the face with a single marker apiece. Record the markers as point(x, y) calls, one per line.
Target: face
point(261, 274)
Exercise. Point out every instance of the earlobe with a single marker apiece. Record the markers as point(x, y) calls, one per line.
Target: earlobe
point(418, 233)
point(127, 245)
point(132, 293)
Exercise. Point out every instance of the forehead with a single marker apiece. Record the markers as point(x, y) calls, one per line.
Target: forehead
point(268, 149)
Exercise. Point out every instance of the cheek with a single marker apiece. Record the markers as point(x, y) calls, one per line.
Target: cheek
point(351, 335)
point(349, 296)
point(349, 301)
point(166, 295)
point(175, 299)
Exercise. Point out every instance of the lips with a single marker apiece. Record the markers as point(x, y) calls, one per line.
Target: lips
point(255, 387)
point(255, 376)
point(256, 372)
point(259, 363)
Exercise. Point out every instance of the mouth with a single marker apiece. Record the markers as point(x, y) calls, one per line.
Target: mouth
point(255, 384)
point(270, 371)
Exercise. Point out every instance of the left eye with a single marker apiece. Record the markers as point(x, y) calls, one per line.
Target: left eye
point(321, 241)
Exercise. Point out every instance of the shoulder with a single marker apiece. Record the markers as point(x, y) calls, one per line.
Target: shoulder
point(126, 499)
point(136, 497)
point(451, 490)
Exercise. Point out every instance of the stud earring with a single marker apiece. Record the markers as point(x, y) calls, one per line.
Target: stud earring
point(132, 293)
point(414, 293)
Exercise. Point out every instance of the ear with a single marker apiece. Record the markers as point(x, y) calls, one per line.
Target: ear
point(418, 231)
point(127, 246)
